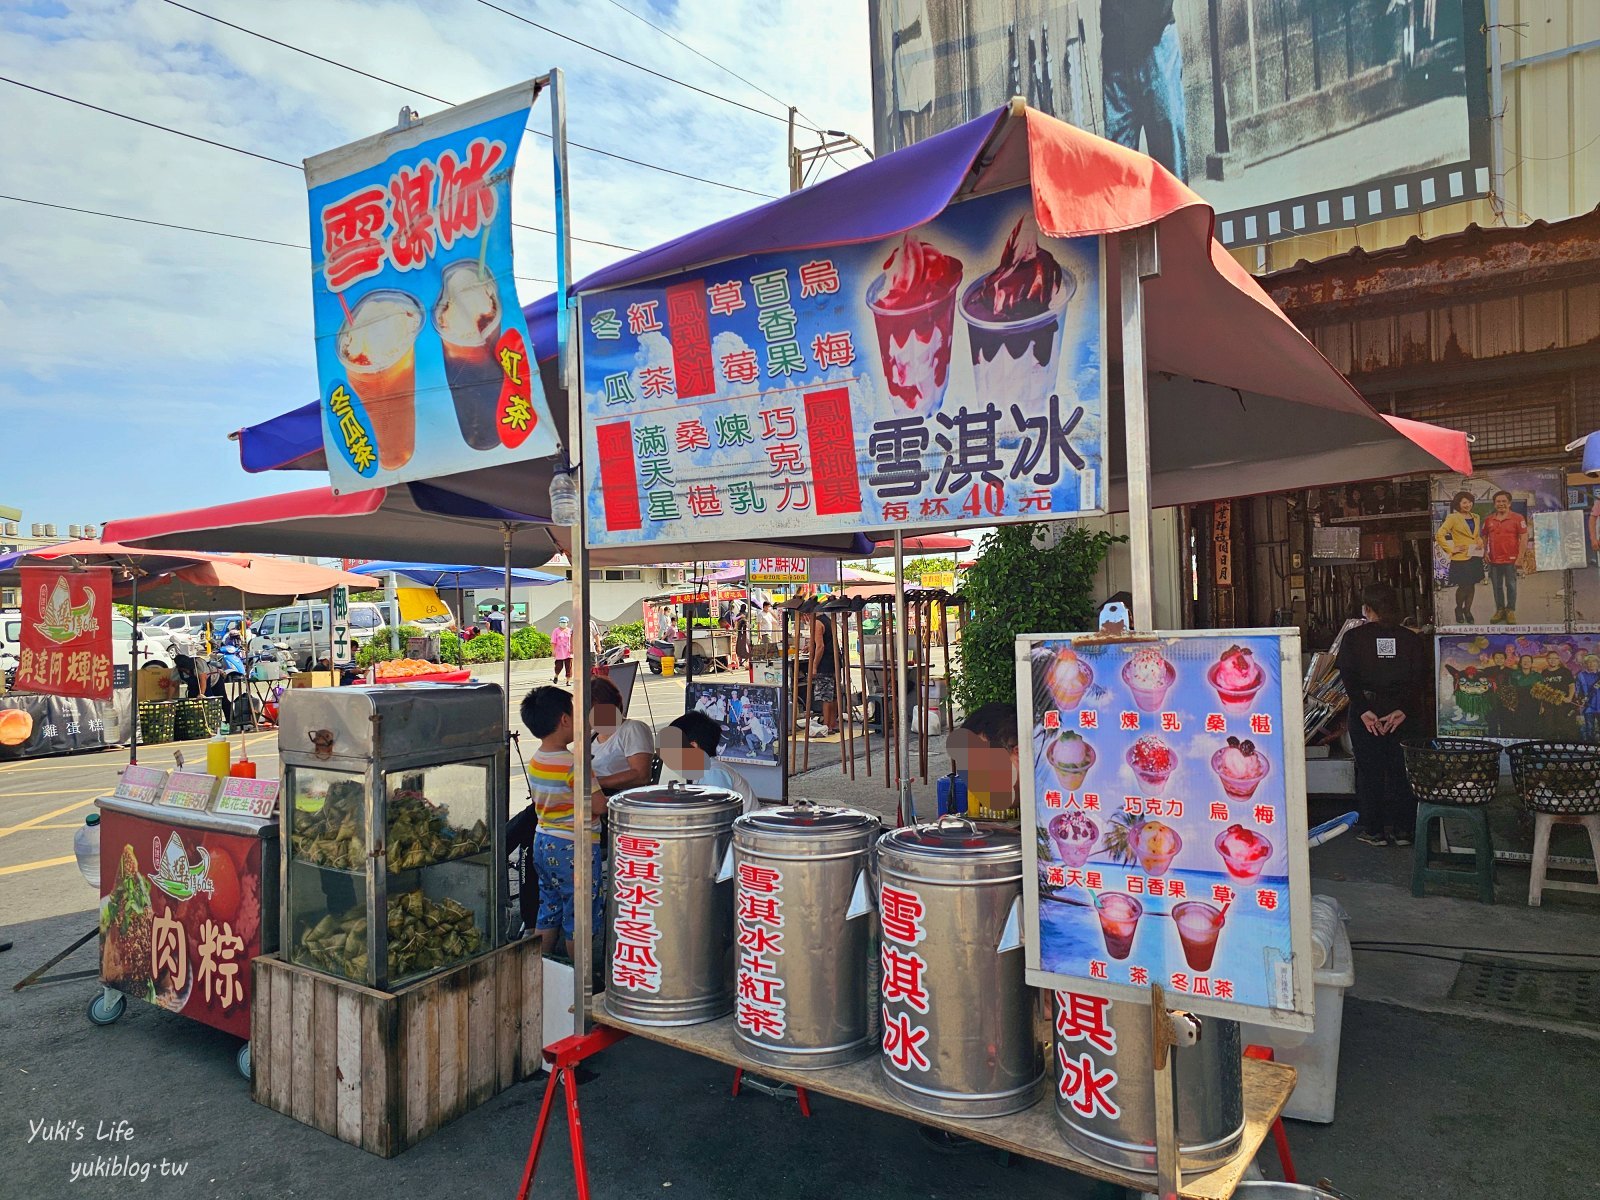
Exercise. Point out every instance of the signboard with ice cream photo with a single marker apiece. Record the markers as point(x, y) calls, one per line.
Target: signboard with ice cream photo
point(423, 355)
point(1163, 795)
point(951, 375)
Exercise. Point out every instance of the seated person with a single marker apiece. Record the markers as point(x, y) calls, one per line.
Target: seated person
point(547, 712)
point(689, 750)
point(621, 750)
point(985, 747)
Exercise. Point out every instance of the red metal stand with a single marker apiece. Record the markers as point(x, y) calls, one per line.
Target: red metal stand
point(800, 1093)
point(1280, 1138)
point(564, 1057)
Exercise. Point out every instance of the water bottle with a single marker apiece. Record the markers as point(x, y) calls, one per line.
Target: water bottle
point(86, 846)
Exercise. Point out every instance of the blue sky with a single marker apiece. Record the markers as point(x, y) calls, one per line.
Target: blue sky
point(128, 353)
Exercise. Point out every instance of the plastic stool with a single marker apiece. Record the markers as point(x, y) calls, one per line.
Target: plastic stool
point(1542, 824)
point(1482, 871)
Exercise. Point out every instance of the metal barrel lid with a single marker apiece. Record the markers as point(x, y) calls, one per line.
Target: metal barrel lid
point(953, 839)
point(802, 818)
point(674, 795)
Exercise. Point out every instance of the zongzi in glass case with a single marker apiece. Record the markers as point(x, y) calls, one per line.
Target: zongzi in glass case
point(393, 828)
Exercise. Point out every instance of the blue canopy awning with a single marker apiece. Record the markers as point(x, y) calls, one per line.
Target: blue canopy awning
point(440, 575)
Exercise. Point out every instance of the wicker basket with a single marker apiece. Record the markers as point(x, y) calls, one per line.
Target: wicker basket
point(1557, 777)
point(1457, 771)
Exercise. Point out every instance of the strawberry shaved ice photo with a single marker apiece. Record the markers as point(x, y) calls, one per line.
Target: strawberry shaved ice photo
point(1244, 852)
point(1237, 677)
point(913, 305)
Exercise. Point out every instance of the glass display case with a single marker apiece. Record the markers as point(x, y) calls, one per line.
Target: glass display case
point(393, 825)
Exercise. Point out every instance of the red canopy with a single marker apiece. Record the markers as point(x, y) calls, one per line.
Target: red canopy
point(933, 543)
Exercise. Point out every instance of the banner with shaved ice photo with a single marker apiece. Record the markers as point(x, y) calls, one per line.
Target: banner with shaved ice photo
point(1163, 800)
point(951, 375)
point(423, 355)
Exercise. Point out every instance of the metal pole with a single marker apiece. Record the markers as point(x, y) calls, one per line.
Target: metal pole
point(391, 593)
point(582, 774)
point(505, 536)
point(788, 685)
point(902, 761)
point(133, 677)
point(793, 159)
point(1139, 262)
point(1497, 115)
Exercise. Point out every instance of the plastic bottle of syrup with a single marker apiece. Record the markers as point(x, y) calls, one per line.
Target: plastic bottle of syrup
point(219, 754)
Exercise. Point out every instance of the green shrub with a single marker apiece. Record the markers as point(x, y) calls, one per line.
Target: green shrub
point(449, 648)
point(485, 648)
point(630, 635)
point(529, 642)
point(1020, 586)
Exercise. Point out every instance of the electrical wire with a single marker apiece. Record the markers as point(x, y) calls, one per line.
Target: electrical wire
point(416, 91)
point(111, 112)
point(667, 33)
point(760, 112)
point(237, 237)
point(1480, 949)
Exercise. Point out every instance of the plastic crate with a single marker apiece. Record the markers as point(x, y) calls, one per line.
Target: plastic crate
point(1315, 1057)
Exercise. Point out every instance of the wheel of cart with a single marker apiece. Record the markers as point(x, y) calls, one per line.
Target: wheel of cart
point(107, 1007)
point(243, 1060)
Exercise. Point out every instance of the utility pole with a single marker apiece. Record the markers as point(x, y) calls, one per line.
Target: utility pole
point(794, 155)
point(834, 141)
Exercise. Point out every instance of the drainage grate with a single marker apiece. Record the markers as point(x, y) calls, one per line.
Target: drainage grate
point(1533, 989)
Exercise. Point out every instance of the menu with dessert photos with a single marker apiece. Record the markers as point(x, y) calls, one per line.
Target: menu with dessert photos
point(952, 374)
point(1164, 795)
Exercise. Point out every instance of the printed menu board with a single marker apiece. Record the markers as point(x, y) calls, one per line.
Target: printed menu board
point(189, 789)
point(143, 784)
point(1164, 806)
point(248, 797)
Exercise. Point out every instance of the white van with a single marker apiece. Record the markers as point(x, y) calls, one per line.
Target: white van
point(304, 625)
point(121, 640)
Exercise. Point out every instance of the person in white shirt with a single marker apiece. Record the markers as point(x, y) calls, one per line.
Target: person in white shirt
point(621, 750)
point(689, 748)
point(768, 622)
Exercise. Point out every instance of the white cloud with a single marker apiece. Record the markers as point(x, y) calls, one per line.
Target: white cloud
point(128, 326)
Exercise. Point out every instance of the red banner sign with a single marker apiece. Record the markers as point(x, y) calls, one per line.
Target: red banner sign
point(181, 915)
point(66, 632)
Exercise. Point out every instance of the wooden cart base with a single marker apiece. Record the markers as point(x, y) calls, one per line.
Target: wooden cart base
point(1031, 1133)
point(383, 1070)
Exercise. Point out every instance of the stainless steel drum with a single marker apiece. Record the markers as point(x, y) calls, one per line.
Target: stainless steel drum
point(669, 905)
point(1104, 1099)
point(806, 936)
point(958, 1032)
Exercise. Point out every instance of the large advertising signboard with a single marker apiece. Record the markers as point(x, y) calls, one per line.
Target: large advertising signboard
point(423, 355)
point(1288, 117)
point(1164, 820)
point(951, 375)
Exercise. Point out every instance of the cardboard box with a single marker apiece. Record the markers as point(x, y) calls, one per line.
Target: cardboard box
point(311, 679)
point(156, 683)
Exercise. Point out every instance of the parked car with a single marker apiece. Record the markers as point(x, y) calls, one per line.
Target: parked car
point(121, 641)
point(304, 626)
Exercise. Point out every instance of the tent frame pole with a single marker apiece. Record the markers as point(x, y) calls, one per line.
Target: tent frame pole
point(1139, 261)
point(133, 676)
point(505, 538)
point(902, 764)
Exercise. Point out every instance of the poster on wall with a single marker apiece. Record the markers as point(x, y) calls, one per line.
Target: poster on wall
point(1164, 819)
point(1356, 503)
point(1485, 570)
point(953, 375)
point(66, 632)
point(423, 355)
point(751, 716)
point(1513, 685)
point(1286, 117)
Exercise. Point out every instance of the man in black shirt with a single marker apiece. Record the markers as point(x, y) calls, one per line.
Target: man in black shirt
point(1384, 668)
point(1141, 62)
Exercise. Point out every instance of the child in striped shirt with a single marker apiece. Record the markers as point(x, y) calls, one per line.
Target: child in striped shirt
point(547, 712)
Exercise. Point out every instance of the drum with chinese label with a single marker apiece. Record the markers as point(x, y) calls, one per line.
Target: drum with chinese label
point(805, 934)
point(958, 1029)
point(1104, 1103)
point(669, 904)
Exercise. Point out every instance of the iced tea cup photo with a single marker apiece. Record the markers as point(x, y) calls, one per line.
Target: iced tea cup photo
point(1198, 925)
point(467, 317)
point(1119, 921)
point(378, 351)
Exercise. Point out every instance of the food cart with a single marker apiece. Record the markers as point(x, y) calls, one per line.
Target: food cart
point(188, 896)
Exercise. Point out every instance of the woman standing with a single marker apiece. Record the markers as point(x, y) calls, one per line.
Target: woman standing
point(1460, 536)
point(1384, 668)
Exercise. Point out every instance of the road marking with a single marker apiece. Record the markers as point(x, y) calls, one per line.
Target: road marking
point(37, 866)
point(43, 817)
point(113, 754)
point(57, 792)
point(32, 828)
